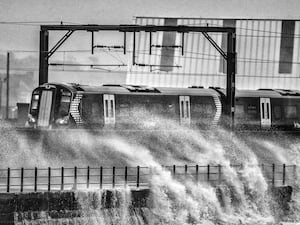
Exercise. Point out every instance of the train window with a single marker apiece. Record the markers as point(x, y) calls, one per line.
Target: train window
point(34, 105)
point(138, 109)
point(156, 108)
point(268, 112)
point(251, 109)
point(95, 109)
point(106, 108)
point(239, 109)
point(65, 99)
point(112, 108)
point(290, 111)
point(204, 109)
point(277, 112)
point(187, 108)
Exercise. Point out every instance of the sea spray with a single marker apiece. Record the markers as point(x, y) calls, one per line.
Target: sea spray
point(244, 198)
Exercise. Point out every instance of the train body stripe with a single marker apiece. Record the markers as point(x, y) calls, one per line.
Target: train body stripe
point(74, 109)
point(218, 105)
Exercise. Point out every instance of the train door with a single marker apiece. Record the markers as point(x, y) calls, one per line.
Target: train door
point(109, 110)
point(45, 108)
point(265, 112)
point(185, 110)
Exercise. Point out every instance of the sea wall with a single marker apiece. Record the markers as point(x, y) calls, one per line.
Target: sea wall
point(109, 205)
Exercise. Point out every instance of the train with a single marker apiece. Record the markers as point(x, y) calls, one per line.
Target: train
point(112, 106)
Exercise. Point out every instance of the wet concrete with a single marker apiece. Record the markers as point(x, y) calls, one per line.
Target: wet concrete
point(15, 208)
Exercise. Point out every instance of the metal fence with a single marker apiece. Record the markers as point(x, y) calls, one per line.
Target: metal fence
point(62, 179)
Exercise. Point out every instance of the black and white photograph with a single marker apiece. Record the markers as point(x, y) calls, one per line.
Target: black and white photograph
point(157, 112)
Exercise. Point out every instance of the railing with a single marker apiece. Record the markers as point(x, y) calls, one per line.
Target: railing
point(61, 179)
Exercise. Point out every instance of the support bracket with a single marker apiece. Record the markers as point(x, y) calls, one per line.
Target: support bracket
point(217, 47)
point(59, 43)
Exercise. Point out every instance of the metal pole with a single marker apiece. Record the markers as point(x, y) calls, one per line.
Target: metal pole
point(88, 178)
point(126, 176)
point(101, 176)
point(273, 174)
point(197, 173)
point(1, 84)
point(174, 170)
point(138, 177)
point(49, 179)
point(125, 41)
point(283, 174)
point(8, 179)
point(208, 172)
point(44, 48)
point(35, 179)
point(113, 178)
point(230, 85)
point(7, 85)
point(133, 50)
point(62, 179)
point(75, 178)
point(22, 178)
point(92, 42)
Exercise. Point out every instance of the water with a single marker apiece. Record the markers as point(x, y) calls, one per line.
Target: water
point(242, 199)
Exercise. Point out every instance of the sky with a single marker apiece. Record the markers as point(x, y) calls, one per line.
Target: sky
point(26, 37)
point(20, 22)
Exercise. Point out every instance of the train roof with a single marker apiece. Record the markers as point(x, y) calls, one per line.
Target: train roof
point(264, 93)
point(138, 89)
point(194, 90)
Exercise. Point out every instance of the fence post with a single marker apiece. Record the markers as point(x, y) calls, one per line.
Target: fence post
point(185, 170)
point(22, 178)
point(138, 177)
point(101, 176)
point(126, 176)
point(49, 179)
point(174, 170)
point(113, 177)
point(220, 173)
point(197, 173)
point(283, 174)
point(62, 179)
point(208, 172)
point(273, 174)
point(75, 178)
point(35, 179)
point(8, 180)
point(88, 178)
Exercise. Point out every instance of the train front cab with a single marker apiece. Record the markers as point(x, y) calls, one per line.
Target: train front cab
point(50, 106)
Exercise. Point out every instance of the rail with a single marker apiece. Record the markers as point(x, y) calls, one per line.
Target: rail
point(77, 178)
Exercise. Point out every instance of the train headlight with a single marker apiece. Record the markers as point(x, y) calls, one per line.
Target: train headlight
point(62, 121)
point(31, 119)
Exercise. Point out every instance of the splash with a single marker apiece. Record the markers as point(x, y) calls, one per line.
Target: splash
point(243, 197)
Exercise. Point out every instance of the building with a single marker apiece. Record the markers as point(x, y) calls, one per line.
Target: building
point(268, 54)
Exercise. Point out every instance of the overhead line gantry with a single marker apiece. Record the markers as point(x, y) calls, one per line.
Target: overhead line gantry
point(229, 55)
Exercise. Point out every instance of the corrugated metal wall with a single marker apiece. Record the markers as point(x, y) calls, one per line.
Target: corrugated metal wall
point(258, 56)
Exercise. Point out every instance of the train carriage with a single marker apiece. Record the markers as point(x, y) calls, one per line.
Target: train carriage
point(267, 109)
point(128, 106)
point(121, 106)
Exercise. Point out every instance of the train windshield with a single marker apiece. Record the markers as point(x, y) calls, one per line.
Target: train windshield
point(49, 105)
point(63, 104)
